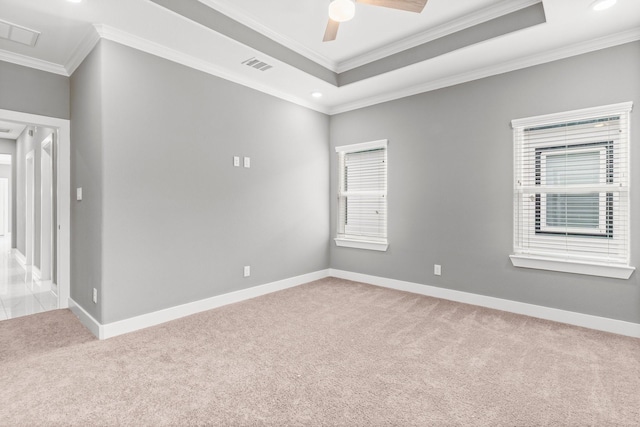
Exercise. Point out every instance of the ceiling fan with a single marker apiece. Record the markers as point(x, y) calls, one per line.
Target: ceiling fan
point(343, 10)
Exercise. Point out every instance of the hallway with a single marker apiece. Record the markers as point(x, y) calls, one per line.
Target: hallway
point(20, 295)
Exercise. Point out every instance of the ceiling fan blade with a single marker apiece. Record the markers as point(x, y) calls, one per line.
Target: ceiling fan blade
point(332, 31)
point(408, 5)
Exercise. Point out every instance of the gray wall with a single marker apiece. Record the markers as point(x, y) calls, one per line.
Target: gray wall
point(178, 221)
point(8, 146)
point(33, 91)
point(86, 172)
point(450, 182)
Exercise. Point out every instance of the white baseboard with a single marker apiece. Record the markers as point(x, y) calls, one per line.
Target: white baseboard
point(35, 273)
point(41, 286)
point(86, 319)
point(572, 318)
point(22, 260)
point(161, 316)
point(172, 313)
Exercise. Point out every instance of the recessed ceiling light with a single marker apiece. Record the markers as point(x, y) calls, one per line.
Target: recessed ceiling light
point(602, 4)
point(74, 1)
point(316, 94)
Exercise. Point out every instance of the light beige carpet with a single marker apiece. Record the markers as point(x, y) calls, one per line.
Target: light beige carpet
point(329, 353)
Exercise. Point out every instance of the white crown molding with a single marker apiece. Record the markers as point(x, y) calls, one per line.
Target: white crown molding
point(505, 67)
point(462, 23)
point(81, 51)
point(127, 39)
point(237, 15)
point(135, 42)
point(620, 327)
point(27, 61)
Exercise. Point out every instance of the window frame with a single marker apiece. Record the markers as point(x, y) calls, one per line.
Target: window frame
point(572, 262)
point(344, 239)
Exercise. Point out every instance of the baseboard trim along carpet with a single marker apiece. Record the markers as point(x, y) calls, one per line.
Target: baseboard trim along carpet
point(157, 317)
point(86, 319)
point(572, 318)
point(172, 313)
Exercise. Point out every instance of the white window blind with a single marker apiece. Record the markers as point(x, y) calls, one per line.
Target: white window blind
point(362, 195)
point(571, 192)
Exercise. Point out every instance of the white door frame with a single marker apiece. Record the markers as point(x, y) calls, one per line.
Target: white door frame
point(46, 209)
point(5, 227)
point(63, 193)
point(29, 208)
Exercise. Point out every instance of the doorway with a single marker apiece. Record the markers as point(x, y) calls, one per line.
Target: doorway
point(59, 161)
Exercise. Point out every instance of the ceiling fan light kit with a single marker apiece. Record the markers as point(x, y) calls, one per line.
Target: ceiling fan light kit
point(344, 10)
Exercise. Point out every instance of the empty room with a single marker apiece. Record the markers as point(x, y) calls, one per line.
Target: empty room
point(319, 212)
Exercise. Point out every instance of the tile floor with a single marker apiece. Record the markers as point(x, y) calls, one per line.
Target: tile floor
point(20, 295)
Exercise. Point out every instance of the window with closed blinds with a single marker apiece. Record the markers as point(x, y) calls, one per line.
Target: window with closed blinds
point(571, 192)
point(362, 195)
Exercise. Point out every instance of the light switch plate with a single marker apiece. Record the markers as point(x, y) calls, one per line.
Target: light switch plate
point(79, 193)
point(247, 162)
point(236, 161)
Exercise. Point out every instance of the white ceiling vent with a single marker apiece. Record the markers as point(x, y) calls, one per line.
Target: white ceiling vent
point(257, 64)
point(18, 34)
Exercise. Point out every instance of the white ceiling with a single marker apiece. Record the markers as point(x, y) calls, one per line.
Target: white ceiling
point(69, 31)
point(300, 24)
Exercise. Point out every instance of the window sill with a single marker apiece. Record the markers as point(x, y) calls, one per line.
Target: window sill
point(361, 244)
point(592, 269)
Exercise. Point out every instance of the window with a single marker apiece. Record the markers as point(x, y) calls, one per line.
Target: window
point(580, 214)
point(571, 191)
point(362, 196)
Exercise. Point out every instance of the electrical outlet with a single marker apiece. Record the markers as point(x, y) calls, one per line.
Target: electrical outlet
point(79, 193)
point(247, 162)
point(236, 161)
point(95, 296)
point(437, 269)
point(247, 270)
